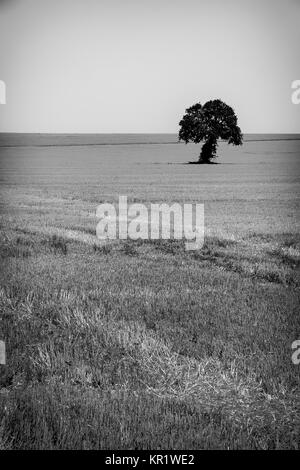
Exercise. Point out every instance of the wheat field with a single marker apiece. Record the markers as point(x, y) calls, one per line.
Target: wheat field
point(142, 344)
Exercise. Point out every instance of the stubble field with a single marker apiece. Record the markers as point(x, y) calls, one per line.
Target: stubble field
point(142, 344)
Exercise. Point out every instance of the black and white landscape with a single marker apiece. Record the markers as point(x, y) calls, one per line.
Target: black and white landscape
point(139, 343)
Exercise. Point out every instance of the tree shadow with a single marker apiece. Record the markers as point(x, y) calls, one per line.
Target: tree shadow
point(202, 163)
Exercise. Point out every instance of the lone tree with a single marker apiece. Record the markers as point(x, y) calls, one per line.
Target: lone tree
point(210, 122)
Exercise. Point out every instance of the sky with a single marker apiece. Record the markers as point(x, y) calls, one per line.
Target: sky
point(135, 65)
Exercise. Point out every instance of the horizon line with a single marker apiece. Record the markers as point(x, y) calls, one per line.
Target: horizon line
point(133, 133)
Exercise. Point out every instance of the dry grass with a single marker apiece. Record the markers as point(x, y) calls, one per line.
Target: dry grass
point(200, 346)
point(143, 345)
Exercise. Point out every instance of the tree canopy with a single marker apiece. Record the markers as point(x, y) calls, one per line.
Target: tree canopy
point(210, 122)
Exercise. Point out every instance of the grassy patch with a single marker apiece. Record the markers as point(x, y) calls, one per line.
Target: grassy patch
point(57, 244)
point(102, 249)
point(111, 348)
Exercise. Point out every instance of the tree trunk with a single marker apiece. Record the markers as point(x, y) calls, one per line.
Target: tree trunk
point(208, 151)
